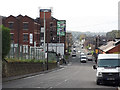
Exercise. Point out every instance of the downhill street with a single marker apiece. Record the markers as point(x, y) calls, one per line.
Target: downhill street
point(73, 75)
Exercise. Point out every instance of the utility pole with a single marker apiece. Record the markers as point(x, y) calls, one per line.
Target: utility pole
point(18, 49)
point(47, 50)
point(59, 41)
point(96, 48)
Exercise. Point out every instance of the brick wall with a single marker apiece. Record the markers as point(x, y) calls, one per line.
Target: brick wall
point(15, 69)
point(115, 49)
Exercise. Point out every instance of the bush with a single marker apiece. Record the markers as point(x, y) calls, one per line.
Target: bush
point(6, 41)
point(66, 56)
point(29, 60)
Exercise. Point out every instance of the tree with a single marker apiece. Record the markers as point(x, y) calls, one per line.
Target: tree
point(113, 34)
point(82, 36)
point(6, 41)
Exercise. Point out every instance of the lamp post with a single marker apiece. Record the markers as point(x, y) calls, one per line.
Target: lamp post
point(44, 46)
point(44, 33)
point(18, 30)
point(47, 51)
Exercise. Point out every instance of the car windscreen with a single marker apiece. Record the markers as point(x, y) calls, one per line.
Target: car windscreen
point(83, 57)
point(109, 63)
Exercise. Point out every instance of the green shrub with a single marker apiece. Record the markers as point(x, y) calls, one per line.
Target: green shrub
point(29, 60)
point(6, 41)
point(66, 56)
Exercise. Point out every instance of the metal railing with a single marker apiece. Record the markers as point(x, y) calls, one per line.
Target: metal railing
point(26, 52)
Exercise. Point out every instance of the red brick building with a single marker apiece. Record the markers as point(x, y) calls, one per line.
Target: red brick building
point(24, 31)
point(51, 30)
point(27, 32)
point(51, 27)
point(69, 41)
point(111, 47)
point(115, 49)
point(20, 29)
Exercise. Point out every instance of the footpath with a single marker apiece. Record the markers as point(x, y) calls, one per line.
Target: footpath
point(32, 74)
point(28, 75)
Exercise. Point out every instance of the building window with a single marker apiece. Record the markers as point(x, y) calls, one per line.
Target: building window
point(25, 37)
point(12, 37)
point(51, 24)
point(11, 25)
point(25, 25)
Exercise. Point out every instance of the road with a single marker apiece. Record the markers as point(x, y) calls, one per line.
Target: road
point(73, 75)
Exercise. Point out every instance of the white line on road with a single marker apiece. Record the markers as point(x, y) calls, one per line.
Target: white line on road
point(29, 77)
point(37, 87)
point(61, 83)
point(33, 76)
point(57, 84)
point(66, 80)
point(60, 69)
point(51, 87)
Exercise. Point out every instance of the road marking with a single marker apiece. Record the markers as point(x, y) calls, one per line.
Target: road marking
point(37, 87)
point(33, 76)
point(69, 64)
point(61, 83)
point(66, 80)
point(29, 77)
point(60, 69)
point(51, 87)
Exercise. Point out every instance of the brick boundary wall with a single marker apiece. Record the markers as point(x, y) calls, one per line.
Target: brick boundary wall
point(15, 69)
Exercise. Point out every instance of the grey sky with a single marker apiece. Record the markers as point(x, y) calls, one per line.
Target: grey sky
point(80, 15)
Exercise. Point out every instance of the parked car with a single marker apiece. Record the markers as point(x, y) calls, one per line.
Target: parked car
point(89, 57)
point(73, 54)
point(79, 51)
point(82, 54)
point(89, 53)
point(74, 46)
point(83, 59)
point(74, 50)
point(108, 69)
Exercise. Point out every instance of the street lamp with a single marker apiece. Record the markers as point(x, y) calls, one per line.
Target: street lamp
point(44, 46)
point(44, 33)
point(47, 50)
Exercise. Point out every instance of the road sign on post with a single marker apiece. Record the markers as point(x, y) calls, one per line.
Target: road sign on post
point(61, 27)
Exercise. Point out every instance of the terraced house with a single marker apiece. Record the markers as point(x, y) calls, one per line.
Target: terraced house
point(25, 33)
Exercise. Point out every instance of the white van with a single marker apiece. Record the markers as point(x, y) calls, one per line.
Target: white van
point(108, 69)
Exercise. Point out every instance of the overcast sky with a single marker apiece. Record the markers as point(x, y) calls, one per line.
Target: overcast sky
point(80, 15)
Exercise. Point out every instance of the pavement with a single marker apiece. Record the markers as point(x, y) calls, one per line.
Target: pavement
point(28, 75)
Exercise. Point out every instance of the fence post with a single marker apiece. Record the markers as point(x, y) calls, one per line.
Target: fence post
point(29, 52)
point(13, 49)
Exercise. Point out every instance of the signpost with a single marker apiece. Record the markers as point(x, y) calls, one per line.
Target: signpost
point(61, 28)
